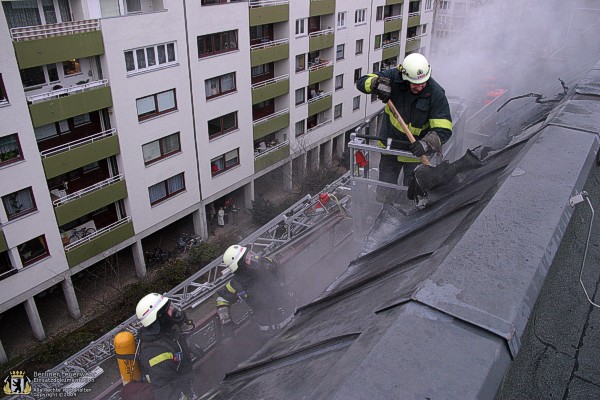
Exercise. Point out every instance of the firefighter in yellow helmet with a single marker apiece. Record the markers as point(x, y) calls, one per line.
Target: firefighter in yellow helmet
point(423, 106)
point(164, 354)
point(256, 281)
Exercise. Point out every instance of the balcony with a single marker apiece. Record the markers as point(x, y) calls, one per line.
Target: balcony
point(75, 205)
point(413, 43)
point(99, 241)
point(392, 24)
point(271, 123)
point(264, 53)
point(76, 154)
point(268, 11)
point(3, 244)
point(320, 71)
point(270, 88)
point(321, 7)
point(58, 105)
point(390, 50)
point(47, 44)
point(271, 156)
point(320, 103)
point(320, 40)
point(414, 19)
point(392, 2)
point(318, 126)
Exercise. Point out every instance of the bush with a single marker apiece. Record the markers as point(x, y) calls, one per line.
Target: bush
point(203, 254)
point(263, 210)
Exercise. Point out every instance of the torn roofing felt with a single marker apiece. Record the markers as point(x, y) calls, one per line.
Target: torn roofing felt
point(401, 313)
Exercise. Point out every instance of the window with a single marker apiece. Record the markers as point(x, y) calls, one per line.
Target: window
point(150, 58)
point(33, 250)
point(220, 85)
point(337, 111)
point(161, 148)
point(300, 96)
point(428, 4)
point(379, 13)
point(356, 103)
point(377, 41)
point(216, 43)
point(360, 16)
point(359, 46)
point(222, 125)
point(300, 26)
point(156, 104)
point(376, 67)
point(414, 6)
point(339, 52)
point(225, 162)
point(341, 19)
point(19, 203)
point(299, 128)
point(339, 82)
point(423, 29)
point(357, 74)
point(71, 67)
point(10, 149)
point(300, 62)
point(166, 189)
point(3, 95)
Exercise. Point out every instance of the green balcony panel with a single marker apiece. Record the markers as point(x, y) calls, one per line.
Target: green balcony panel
point(321, 7)
point(77, 157)
point(321, 42)
point(392, 2)
point(389, 52)
point(270, 126)
point(320, 75)
point(270, 91)
point(392, 26)
point(415, 20)
point(99, 244)
point(319, 106)
point(90, 202)
point(33, 53)
point(3, 244)
point(269, 54)
point(269, 14)
point(61, 108)
point(271, 158)
point(413, 45)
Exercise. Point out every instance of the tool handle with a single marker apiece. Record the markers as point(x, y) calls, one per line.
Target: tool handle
point(410, 136)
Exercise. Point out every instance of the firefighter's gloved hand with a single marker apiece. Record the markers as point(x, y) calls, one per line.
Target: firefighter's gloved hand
point(179, 317)
point(433, 141)
point(419, 148)
point(376, 87)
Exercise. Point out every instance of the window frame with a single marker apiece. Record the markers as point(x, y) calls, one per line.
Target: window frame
point(300, 27)
point(218, 37)
point(3, 94)
point(360, 16)
point(223, 131)
point(13, 216)
point(335, 111)
point(357, 74)
point(379, 13)
point(19, 150)
point(356, 103)
point(341, 79)
point(303, 67)
point(161, 146)
point(359, 46)
point(156, 112)
point(303, 96)
point(341, 46)
point(157, 64)
point(223, 158)
point(168, 194)
point(219, 92)
point(41, 256)
point(302, 131)
point(341, 18)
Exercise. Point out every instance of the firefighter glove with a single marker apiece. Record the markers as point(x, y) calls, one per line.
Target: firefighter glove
point(381, 89)
point(419, 148)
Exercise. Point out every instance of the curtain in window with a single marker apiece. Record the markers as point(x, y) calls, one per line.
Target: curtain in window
point(231, 158)
point(7, 144)
point(218, 162)
point(166, 101)
point(109, 8)
point(171, 52)
point(49, 12)
point(170, 143)
point(157, 192)
point(65, 11)
point(212, 87)
point(18, 202)
point(175, 183)
point(162, 56)
point(228, 83)
point(21, 13)
point(44, 132)
point(145, 105)
point(129, 63)
point(151, 151)
point(141, 58)
point(151, 56)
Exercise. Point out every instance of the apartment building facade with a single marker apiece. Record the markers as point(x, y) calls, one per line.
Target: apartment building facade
point(120, 117)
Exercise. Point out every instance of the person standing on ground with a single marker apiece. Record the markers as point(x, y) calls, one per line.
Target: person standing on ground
point(221, 217)
point(422, 104)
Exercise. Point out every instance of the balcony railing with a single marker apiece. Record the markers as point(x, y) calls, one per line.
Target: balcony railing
point(99, 232)
point(410, 39)
point(271, 116)
point(328, 31)
point(319, 97)
point(267, 3)
point(269, 44)
point(271, 81)
point(322, 124)
point(414, 14)
point(77, 143)
point(80, 193)
point(36, 98)
point(392, 18)
point(320, 65)
point(45, 31)
point(260, 153)
point(390, 44)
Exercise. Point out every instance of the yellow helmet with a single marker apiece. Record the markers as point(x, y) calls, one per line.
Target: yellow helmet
point(415, 68)
point(232, 255)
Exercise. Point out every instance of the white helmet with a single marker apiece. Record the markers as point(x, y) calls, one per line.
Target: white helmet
point(415, 68)
point(232, 255)
point(148, 307)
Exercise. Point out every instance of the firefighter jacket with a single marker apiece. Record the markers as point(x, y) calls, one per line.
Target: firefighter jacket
point(166, 362)
point(260, 286)
point(423, 112)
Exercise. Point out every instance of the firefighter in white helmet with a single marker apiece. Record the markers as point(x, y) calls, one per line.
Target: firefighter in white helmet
point(256, 281)
point(422, 104)
point(163, 351)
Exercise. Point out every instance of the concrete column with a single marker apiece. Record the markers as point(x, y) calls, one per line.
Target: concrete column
point(248, 194)
point(3, 357)
point(287, 176)
point(138, 258)
point(34, 319)
point(327, 153)
point(200, 223)
point(71, 298)
point(339, 146)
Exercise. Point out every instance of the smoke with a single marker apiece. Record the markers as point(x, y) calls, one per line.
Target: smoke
point(518, 45)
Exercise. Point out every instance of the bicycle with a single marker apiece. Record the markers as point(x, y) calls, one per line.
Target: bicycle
point(80, 233)
point(186, 242)
point(157, 256)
